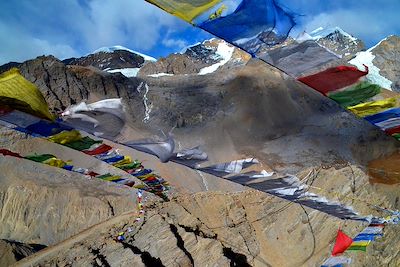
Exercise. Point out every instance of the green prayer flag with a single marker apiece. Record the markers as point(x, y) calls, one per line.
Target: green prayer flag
point(83, 144)
point(40, 158)
point(362, 248)
point(130, 166)
point(397, 136)
point(356, 94)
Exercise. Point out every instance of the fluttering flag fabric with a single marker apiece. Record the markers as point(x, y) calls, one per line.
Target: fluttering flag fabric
point(394, 131)
point(249, 24)
point(103, 148)
point(289, 187)
point(363, 239)
point(47, 128)
point(384, 116)
point(66, 137)
point(56, 162)
point(163, 149)
point(233, 167)
point(40, 158)
point(48, 159)
point(6, 152)
point(252, 23)
point(354, 95)
point(192, 154)
point(20, 94)
point(261, 26)
point(186, 10)
point(190, 157)
point(342, 243)
point(334, 78)
point(82, 144)
point(104, 118)
point(373, 107)
point(338, 261)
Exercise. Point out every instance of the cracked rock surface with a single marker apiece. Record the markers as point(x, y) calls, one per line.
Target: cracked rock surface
point(247, 228)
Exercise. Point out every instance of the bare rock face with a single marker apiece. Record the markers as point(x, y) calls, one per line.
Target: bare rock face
point(248, 228)
point(387, 59)
point(173, 64)
point(9, 65)
point(118, 59)
point(195, 58)
point(45, 205)
point(64, 85)
point(341, 43)
point(12, 251)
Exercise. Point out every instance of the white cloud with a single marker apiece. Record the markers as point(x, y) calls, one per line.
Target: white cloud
point(68, 28)
point(136, 23)
point(174, 43)
point(18, 46)
point(366, 24)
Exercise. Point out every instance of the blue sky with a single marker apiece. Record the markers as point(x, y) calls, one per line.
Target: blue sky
point(67, 28)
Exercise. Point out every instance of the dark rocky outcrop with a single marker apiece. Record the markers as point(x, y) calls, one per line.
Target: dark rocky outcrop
point(193, 59)
point(13, 251)
point(342, 43)
point(118, 59)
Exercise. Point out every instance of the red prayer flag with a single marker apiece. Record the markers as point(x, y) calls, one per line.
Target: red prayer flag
point(103, 148)
point(393, 130)
point(92, 174)
point(7, 152)
point(334, 78)
point(4, 110)
point(342, 243)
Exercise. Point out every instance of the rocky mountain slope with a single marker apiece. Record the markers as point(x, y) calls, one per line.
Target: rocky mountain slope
point(227, 229)
point(338, 41)
point(387, 59)
point(233, 107)
point(12, 251)
point(202, 58)
point(113, 59)
point(383, 61)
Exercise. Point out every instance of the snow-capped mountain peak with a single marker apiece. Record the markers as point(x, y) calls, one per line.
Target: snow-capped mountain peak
point(201, 58)
point(114, 59)
point(321, 32)
point(338, 41)
point(223, 54)
point(112, 49)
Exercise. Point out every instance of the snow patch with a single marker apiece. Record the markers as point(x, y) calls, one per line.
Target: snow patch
point(128, 72)
point(156, 75)
point(225, 52)
point(111, 49)
point(366, 58)
point(147, 107)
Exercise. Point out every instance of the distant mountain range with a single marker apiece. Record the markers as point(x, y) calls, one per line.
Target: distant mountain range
point(212, 55)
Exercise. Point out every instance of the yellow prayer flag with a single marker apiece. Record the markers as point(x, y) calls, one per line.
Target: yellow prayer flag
point(20, 94)
point(185, 9)
point(373, 107)
point(360, 243)
point(55, 162)
point(65, 137)
point(124, 161)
